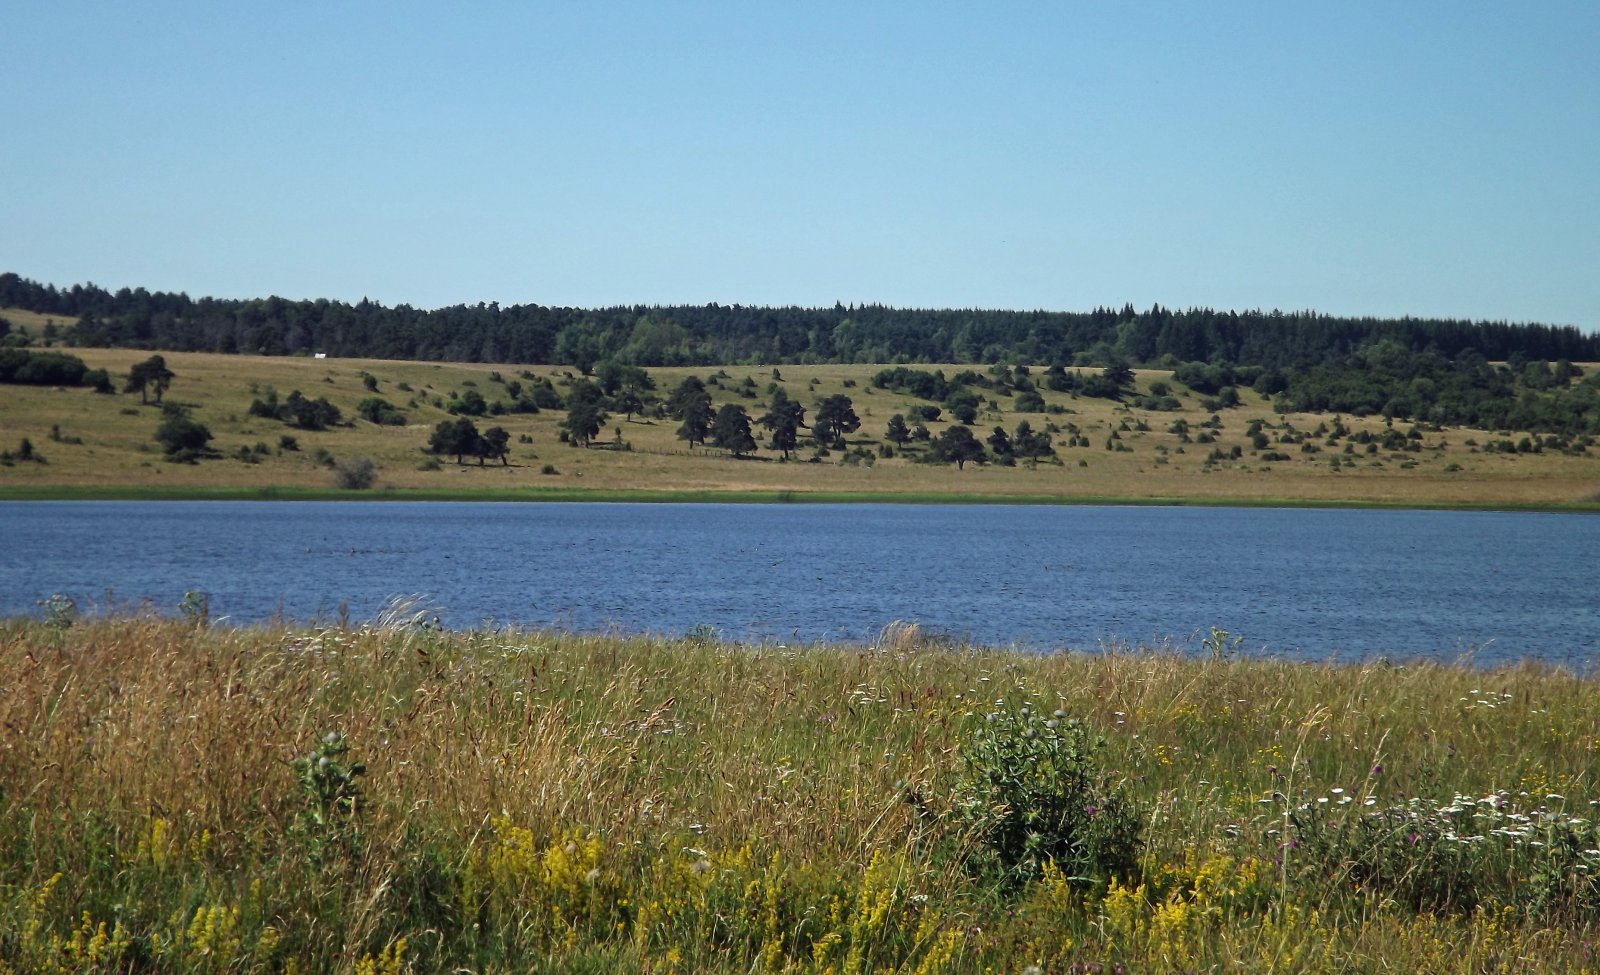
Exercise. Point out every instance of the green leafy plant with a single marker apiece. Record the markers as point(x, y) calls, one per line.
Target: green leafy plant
point(330, 783)
point(196, 607)
point(60, 611)
point(1032, 791)
point(1222, 645)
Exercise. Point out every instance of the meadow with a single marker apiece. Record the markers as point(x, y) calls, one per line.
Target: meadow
point(177, 797)
point(94, 444)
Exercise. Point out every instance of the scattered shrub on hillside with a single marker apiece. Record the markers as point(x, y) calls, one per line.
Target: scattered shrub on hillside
point(183, 438)
point(375, 409)
point(355, 474)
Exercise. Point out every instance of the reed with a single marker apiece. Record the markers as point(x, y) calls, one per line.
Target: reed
point(171, 800)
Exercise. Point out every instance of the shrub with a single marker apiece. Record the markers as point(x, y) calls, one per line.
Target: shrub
point(377, 410)
point(181, 436)
point(1032, 792)
point(356, 474)
point(1030, 402)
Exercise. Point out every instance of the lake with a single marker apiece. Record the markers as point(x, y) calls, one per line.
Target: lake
point(1309, 583)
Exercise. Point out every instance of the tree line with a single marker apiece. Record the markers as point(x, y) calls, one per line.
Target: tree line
point(675, 335)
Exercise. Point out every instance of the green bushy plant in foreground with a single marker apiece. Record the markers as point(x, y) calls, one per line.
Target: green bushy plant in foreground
point(1032, 793)
point(171, 799)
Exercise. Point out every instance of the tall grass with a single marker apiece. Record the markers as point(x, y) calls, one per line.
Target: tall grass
point(545, 802)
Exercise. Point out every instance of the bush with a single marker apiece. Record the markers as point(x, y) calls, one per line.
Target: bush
point(356, 474)
point(377, 410)
point(181, 436)
point(41, 368)
point(1032, 792)
point(1030, 402)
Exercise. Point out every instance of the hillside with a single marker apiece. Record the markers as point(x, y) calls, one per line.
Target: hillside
point(1101, 448)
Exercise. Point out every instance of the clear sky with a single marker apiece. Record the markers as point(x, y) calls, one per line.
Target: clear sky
point(1355, 158)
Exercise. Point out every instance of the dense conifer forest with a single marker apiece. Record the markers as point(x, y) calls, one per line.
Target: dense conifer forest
point(720, 334)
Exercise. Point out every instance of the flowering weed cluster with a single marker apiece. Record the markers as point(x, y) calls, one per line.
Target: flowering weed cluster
point(1487, 851)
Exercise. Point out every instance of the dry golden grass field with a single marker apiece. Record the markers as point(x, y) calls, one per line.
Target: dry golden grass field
point(93, 441)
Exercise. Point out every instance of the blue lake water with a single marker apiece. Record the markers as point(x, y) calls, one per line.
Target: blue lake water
point(1347, 584)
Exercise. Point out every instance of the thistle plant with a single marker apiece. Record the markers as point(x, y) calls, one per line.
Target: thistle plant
point(330, 783)
point(60, 611)
point(1032, 792)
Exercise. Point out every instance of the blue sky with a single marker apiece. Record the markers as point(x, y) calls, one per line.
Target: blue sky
point(1385, 159)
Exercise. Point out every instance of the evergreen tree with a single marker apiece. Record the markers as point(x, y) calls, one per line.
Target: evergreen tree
point(494, 443)
point(957, 444)
point(691, 404)
point(731, 430)
point(897, 433)
point(151, 374)
point(458, 437)
point(784, 419)
point(836, 416)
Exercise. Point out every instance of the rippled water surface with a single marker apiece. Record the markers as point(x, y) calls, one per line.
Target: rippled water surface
point(1299, 582)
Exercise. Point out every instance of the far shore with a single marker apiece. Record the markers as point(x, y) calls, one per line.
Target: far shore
point(126, 492)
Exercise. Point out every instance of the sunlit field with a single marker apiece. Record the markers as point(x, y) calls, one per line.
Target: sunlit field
point(181, 798)
point(90, 440)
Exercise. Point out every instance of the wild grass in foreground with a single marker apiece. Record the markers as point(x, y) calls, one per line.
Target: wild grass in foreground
point(181, 798)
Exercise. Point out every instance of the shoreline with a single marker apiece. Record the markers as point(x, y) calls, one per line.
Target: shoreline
point(9, 492)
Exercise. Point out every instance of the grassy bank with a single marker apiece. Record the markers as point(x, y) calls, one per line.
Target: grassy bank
point(70, 492)
point(178, 798)
point(88, 444)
